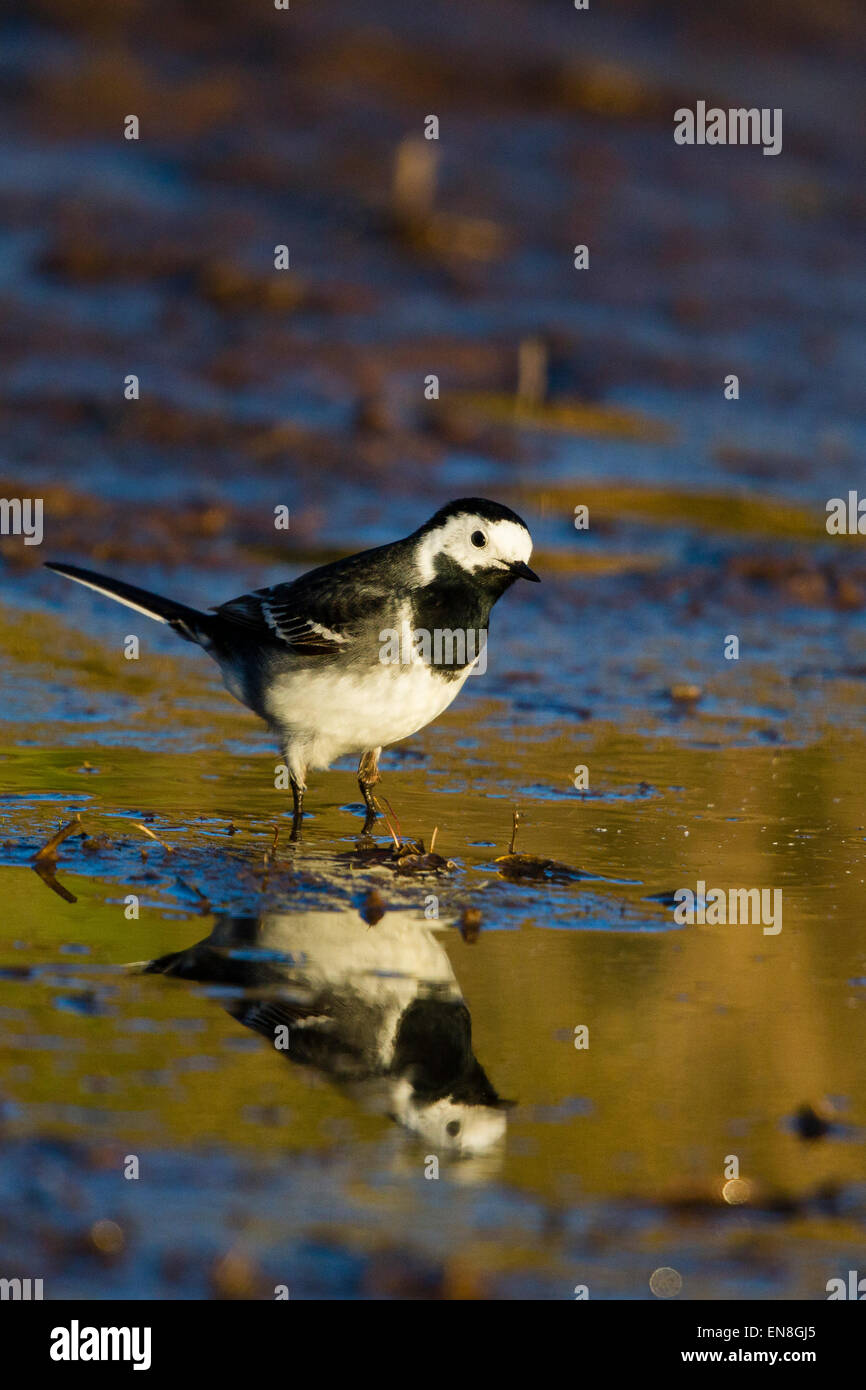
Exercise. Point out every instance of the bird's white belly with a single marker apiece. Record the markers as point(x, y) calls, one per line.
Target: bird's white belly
point(337, 951)
point(332, 714)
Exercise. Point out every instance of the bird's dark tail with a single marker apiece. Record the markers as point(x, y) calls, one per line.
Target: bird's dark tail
point(187, 622)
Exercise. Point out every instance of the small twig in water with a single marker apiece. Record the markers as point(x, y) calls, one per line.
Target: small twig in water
point(269, 853)
point(48, 851)
point(139, 826)
point(388, 819)
point(191, 888)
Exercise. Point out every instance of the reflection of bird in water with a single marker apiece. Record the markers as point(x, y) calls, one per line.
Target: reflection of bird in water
point(376, 1009)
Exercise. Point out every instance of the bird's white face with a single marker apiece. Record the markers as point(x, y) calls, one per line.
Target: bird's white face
point(448, 1126)
point(474, 544)
point(451, 1127)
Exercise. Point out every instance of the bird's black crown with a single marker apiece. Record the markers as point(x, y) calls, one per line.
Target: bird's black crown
point(471, 506)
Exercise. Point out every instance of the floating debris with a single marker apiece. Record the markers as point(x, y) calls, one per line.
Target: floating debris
point(139, 825)
point(516, 866)
point(95, 844)
point(685, 695)
point(373, 907)
point(421, 861)
point(406, 857)
point(270, 853)
point(469, 925)
point(48, 853)
point(45, 861)
point(814, 1121)
point(203, 899)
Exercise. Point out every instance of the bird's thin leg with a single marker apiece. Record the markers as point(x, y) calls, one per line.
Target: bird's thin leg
point(297, 809)
point(368, 776)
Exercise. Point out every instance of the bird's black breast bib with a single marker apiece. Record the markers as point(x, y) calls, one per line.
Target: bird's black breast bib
point(449, 630)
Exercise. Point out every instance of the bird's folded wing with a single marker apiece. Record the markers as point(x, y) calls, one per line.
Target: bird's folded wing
point(313, 1037)
point(309, 619)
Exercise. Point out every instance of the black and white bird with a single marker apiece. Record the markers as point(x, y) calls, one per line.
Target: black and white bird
point(379, 1014)
point(315, 658)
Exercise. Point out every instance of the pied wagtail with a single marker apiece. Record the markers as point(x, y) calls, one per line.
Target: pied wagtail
point(307, 656)
point(378, 1013)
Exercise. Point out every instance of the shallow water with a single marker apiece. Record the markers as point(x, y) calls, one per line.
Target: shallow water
point(309, 1170)
point(703, 1041)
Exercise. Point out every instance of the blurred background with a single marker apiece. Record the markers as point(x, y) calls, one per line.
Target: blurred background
point(557, 388)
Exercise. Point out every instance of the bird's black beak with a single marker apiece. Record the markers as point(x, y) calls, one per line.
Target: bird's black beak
point(522, 571)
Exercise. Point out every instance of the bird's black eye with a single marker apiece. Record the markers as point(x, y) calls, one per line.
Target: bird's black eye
point(478, 538)
point(452, 1128)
